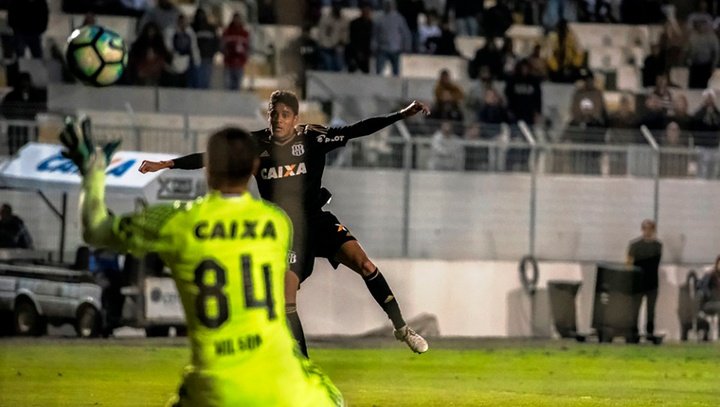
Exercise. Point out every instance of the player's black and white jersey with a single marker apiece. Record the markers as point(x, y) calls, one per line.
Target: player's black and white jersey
point(290, 174)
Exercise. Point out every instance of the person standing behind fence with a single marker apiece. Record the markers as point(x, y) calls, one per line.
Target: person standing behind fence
point(236, 50)
point(357, 52)
point(645, 252)
point(24, 102)
point(332, 37)
point(29, 20)
point(182, 43)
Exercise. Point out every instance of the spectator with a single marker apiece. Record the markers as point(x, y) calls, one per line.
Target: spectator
point(524, 95)
point(236, 50)
point(497, 20)
point(710, 291)
point(538, 66)
point(427, 31)
point(588, 92)
point(360, 38)
point(88, 19)
point(466, 16)
point(706, 122)
point(557, 11)
point(29, 20)
point(391, 37)
point(13, 233)
point(700, 15)
point(662, 91)
point(566, 57)
point(672, 44)
point(266, 12)
point(182, 44)
point(164, 14)
point(624, 117)
point(208, 44)
point(675, 163)
point(508, 58)
point(653, 66)
point(332, 36)
point(703, 50)
point(654, 116)
point(488, 59)
point(680, 111)
point(445, 43)
point(446, 153)
point(24, 102)
point(493, 110)
point(446, 84)
point(476, 156)
point(149, 58)
point(645, 252)
point(446, 107)
point(410, 10)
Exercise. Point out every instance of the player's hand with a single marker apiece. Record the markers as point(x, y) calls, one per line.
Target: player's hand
point(414, 108)
point(80, 147)
point(152, 166)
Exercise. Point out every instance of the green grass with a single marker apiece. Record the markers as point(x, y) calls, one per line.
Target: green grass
point(495, 373)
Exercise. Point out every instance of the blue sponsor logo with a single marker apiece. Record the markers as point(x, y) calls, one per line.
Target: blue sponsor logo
point(59, 164)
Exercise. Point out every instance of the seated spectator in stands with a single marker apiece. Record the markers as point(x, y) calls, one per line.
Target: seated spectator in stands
point(88, 19)
point(411, 10)
point(331, 37)
point(208, 42)
point(588, 91)
point(427, 31)
point(586, 117)
point(29, 20)
point(236, 50)
point(447, 108)
point(662, 91)
point(707, 117)
point(182, 44)
point(565, 56)
point(466, 16)
point(653, 66)
point(488, 58)
point(680, 111)
point(524, 95)
point(149, 58)
point(24, 102)
point(446, 84)
point(703, 52)
point(538, 66)
point(446, 152)
point(13, 232)
point(493, 110)
point(445, 43)
point(359, 41)
point(164, 14)
point(675, 163)
point(624, 117)
point(508, 57)
point(654, 115)
point(391, 37)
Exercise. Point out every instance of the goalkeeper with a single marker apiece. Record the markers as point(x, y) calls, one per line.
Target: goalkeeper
point(228, 254)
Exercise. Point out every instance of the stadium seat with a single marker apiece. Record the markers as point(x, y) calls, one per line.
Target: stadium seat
point(680, 75)
point(467, 46)
point(628, 78)
point(605, 58)
point(525, 37)
point(429, 66)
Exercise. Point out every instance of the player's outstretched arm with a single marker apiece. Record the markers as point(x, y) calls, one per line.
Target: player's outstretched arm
point(91, 161)
point(189, 162)
point(373, 124)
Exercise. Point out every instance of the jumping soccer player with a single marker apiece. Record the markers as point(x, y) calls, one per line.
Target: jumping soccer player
point(228, 254)
point(292, 161)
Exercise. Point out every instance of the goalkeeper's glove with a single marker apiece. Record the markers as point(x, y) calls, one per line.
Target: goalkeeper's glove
point(80, 147)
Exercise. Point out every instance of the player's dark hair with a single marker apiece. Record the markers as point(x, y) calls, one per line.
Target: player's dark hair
point(285, 97)
point(230, 158)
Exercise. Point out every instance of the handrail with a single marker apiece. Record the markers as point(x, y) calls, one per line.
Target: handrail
point(525, 130)
point(649, 137)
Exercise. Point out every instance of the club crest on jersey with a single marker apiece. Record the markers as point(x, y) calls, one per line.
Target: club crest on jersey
point(283, 171)
point(298, 150)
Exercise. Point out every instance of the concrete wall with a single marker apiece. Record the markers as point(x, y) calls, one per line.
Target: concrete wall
point(481, 298)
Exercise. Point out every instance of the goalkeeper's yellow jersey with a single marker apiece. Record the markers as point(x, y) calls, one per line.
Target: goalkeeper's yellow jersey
point(228, 257)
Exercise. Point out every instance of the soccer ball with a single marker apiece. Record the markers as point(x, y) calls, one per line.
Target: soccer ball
point(96, 55)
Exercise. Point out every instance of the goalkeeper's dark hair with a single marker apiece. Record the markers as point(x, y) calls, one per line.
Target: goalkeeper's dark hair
point(285, 97)
point(230, 158)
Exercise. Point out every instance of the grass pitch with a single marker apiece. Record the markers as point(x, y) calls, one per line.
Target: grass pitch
point(139, 372)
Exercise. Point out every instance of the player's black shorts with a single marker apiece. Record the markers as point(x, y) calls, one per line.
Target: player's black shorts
point(325, 236)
